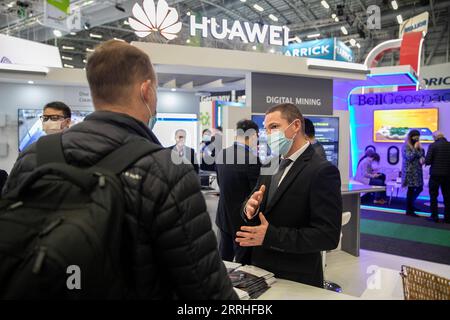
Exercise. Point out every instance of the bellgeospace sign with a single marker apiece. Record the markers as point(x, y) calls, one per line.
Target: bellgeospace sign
point(161, 18)
point(418, 98)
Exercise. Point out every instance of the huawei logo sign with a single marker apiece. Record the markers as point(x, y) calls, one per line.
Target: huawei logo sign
point(155, 18)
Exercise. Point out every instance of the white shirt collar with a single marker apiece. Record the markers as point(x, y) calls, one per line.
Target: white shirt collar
point(299, 152)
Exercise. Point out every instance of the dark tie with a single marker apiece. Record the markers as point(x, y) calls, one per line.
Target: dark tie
point(275, 180)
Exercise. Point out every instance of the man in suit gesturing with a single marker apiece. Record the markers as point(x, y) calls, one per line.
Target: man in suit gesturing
point(295, 213)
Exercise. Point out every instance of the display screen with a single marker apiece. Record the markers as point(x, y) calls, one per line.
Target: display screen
point(30, 125)
point(394, 125)
point(327, 134)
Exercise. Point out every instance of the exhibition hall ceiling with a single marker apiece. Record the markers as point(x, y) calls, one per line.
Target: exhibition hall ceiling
point(307, 20)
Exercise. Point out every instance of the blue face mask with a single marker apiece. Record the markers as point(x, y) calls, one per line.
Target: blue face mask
point(152, 120)
point(278, 142)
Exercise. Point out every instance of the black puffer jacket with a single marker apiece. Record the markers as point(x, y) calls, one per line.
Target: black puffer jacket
point(174, 250)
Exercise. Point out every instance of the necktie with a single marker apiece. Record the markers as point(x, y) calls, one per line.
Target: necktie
point(275, 180)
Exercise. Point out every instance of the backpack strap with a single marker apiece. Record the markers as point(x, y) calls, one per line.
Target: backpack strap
point(120, 159)
point(49, 149)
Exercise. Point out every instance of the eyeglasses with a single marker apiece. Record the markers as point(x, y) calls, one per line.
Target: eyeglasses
point(55, 117)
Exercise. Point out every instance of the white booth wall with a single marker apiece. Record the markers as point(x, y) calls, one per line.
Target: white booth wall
point(26, 96)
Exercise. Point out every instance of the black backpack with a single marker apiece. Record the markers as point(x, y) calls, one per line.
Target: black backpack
point(61, 229)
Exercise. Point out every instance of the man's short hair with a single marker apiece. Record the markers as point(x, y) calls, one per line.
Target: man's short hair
point(180, 130)
point(114, 67)
point(290, 112)
point(310, 131)
point(438, 135)
point(243, 127)
point(61, 106)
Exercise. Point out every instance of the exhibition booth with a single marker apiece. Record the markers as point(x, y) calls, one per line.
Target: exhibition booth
point(348, 103)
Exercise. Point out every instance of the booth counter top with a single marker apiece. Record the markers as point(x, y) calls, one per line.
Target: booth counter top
point(289, 290)
point(354, 188)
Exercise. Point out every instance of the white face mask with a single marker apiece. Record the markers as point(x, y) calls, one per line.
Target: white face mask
point(152, 120)
point(51, 127)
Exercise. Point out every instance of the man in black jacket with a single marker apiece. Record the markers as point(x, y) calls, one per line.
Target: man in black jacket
point(172, 248)
point(438, 157)
point(238, 171)
point(295, 213)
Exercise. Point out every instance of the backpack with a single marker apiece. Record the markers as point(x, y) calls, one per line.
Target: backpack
point(61, 229)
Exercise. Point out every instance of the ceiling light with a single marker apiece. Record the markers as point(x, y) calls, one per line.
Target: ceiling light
point(66, 58)
point(119, 39)
point(57, 33)
point(258, 7)
point(352, 42)
point(254, 47)
point(188, 13)
point(333, 15)
point(173, 89)
point(336, 19)
point(344, 30)
point(188, 41)
point(399, 19)
point(68, 66)
point(325, 4)
point(11, 4)
point(30, 82)
point(73, 33)
point(125, 22)
point(84, 61)
point(273, 18)
point(243, 0)
point(89, 50)
point(358, 45)
point(96, 36)
point(68, 48)
point(314, 35)
point(394, 5)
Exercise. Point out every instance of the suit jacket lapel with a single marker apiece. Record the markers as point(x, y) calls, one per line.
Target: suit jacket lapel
point(295, 170)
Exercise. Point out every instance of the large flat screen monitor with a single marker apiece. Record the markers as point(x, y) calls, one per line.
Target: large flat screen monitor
point(327, 133)
point(30, 125)
point(394, 125)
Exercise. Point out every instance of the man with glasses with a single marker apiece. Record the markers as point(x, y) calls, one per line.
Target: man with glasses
point(56, 117)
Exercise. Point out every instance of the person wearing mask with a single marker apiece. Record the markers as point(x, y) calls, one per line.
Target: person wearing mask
point(412, 175)
point(238, 170)
point(172, 247)
point(206, 152)
point(295, 213)
point(310, 132)
point(182, 151)
point(56, 117)
point(366, 174)
point(438, 158)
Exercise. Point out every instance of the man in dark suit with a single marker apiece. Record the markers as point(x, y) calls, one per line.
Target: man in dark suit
point(438, 157)
point(238, 170)
point(295, 213)
point(183, 152)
